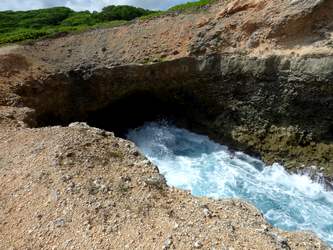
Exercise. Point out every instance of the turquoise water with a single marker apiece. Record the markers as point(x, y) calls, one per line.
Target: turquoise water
point(193, 162)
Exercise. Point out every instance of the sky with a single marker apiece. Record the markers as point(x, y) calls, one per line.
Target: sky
point(86, 4)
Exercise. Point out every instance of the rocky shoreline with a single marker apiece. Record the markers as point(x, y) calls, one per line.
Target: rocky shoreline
point(276, 107)
point(79, 187)
point(253, 80)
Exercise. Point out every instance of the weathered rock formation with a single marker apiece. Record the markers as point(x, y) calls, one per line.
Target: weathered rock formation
point(255, 75)
point(78, 187)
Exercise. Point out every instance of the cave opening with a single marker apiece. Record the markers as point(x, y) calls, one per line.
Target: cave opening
point(132, 111)
point(120, 115)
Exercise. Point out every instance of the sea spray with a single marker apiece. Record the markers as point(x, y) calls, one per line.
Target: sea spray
point(193, 162)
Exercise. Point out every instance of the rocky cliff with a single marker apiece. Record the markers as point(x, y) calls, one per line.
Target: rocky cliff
point(255, 75)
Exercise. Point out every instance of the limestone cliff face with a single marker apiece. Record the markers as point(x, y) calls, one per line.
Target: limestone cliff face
point(256, 75)
point(279, 107)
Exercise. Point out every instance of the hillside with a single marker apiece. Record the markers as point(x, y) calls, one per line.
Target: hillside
point(17, 26)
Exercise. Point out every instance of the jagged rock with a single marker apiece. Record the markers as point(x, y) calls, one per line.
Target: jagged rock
point(157, 181)
point(254, 74)
point(197, 244)
point(207, 213)
point(167, 243)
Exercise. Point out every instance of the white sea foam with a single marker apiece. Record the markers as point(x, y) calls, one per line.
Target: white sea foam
point(193, 162)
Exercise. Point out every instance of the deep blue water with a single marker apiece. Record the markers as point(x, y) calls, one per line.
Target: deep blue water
point(193, 162)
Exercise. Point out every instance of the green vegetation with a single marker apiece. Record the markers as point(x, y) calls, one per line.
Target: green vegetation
point(186, 7)
point(122, 12)
point(18, 26)
point(192, 5)
point(153, 15)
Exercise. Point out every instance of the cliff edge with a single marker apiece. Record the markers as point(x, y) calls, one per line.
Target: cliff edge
point(256, 75)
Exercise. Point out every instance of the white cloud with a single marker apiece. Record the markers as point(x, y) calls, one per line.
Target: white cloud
point(85, 4)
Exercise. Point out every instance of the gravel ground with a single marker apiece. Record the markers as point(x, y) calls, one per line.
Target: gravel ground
point(79, 187)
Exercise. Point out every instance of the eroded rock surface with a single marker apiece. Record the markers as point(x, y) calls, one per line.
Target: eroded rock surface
point(256, 75)
point(273, 98)
point(79, 187)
